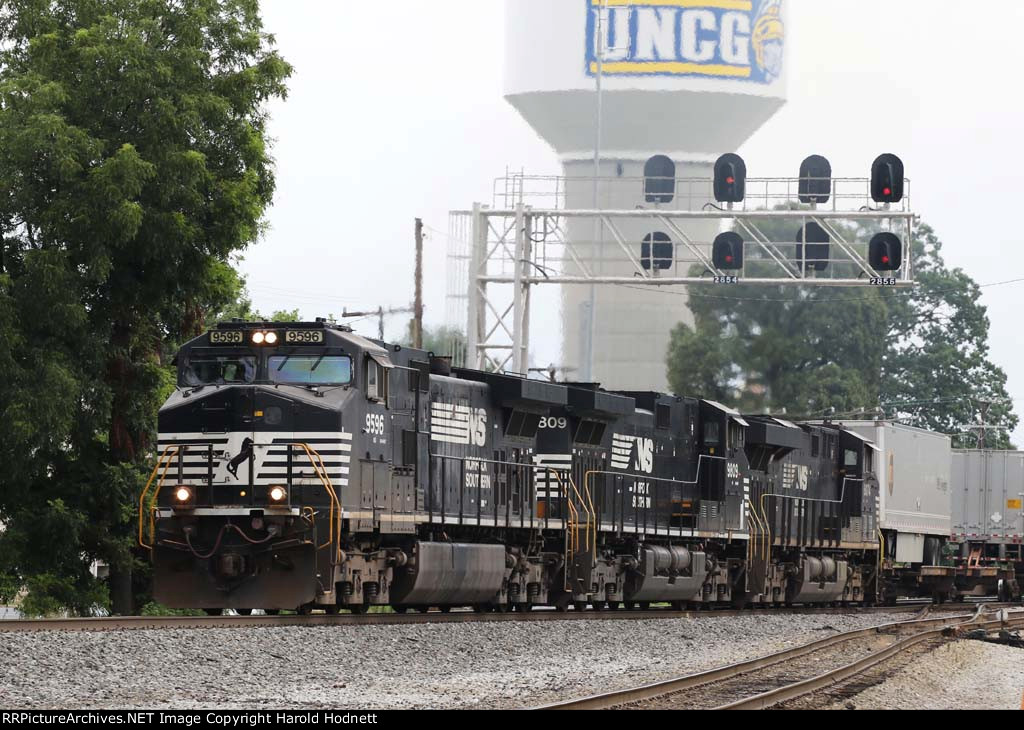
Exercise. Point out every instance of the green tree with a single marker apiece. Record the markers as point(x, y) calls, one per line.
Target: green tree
point(443, 341)
point(920, 356)
point(134, 162)
point(936, 372)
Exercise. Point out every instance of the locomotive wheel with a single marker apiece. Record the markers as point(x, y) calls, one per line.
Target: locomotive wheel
point(629, 605)
point(598, 605)
point(243, 611)
point(562, 604)
point(401, 609)
point(359, 609)
point(423, 609)
point(579, 605)
point(645, 605)
point(445, 609)
point(525, 607)
point(331, 610)
point(213, 611)
point(614, 605)
point(271, 611)
point(304, 610)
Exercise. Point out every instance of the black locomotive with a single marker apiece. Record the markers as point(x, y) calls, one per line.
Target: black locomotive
point(303, 466)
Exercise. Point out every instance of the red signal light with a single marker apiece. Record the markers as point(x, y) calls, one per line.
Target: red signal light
point(886, 259)
point(728, 259)
point(731, 180)
point(887, 191)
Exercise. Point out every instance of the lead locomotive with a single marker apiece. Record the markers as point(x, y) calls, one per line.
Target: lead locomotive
point(302, 466)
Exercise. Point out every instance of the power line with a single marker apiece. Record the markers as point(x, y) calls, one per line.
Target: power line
point(894, 295)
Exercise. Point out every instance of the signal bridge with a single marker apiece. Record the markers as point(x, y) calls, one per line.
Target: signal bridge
point(812, 230)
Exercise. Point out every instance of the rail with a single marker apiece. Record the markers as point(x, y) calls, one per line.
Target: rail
point(658, 689)
point(122, 623)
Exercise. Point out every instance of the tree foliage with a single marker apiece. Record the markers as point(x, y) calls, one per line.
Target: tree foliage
point(134, 161)
point(921, 356)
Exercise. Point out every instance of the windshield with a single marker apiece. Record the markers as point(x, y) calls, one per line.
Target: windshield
point(310, 369)
point(218, 370)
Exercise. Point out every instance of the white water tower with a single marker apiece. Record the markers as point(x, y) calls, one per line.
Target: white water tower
point(682, 81)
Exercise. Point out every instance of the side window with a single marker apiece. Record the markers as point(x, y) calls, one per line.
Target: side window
point(372, 379)
point(735, 435)
point(663, 416)
point(851, 457)
point(376, 381)
point(815, 446)
point(711, 433)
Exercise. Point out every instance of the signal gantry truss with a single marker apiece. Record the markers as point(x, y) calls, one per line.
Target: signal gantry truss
point(498, 254)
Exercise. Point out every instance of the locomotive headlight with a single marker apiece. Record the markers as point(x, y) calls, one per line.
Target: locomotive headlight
point(258, 338)
point(277, 494)
point(183, 494)
point(271, 338)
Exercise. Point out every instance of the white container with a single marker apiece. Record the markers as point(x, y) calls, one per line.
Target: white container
point(988, 491)
point(913, 469)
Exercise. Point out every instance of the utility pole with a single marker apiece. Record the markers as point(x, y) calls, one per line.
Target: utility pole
point(587, 356)
point(417, 326)
point(552, 371)
point(982, 427)
point(380, 313)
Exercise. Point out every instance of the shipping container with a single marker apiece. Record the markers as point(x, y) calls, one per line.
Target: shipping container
point(988, 490)
point(915, 503)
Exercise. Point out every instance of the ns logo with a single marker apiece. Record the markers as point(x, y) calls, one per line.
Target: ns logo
point(632, 452)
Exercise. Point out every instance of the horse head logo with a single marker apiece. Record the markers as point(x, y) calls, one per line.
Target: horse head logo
point(242, 457)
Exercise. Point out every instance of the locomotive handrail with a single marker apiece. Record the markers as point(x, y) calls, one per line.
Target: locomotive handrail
point(325, 480)
point(169, 453)
point(591, 525)
point(752, 547)
point(588, 505)
point(315, 460)
point(842, 497)
point(646, 478)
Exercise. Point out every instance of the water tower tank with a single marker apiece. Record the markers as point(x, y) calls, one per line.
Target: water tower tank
point(685, 80)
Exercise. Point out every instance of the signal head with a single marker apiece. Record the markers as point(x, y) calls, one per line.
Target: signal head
point(813, 250)
point(887, 175)
point(727, 252)
point(885, 252)
point(730, 179)
point(815, 180)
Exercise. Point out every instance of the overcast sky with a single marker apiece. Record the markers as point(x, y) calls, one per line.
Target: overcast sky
point(396, 111)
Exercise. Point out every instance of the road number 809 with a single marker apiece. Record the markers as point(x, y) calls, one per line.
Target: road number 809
point(554, 423)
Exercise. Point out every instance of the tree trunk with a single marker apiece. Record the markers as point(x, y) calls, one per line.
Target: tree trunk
point(121, 590)
point(122, 450)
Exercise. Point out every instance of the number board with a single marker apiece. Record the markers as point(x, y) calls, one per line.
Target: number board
point(229, 337)
point(304, 337)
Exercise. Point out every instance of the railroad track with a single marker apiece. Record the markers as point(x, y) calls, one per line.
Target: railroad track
point(785, 676)
point(123, 623)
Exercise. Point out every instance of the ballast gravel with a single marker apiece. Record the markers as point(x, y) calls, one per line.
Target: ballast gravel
point(444, 665)
point(962, 675)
